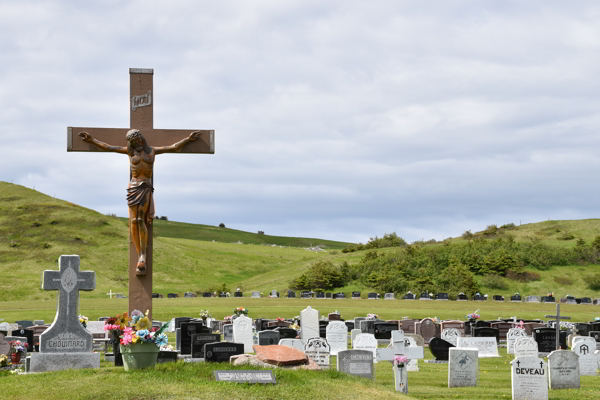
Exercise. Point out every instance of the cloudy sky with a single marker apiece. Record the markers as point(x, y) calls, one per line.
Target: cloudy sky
point(334, 119)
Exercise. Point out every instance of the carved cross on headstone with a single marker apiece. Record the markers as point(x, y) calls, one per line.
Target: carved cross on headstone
point(66, 334)
point(141, 113)
point(557, 317)
point(398, 349)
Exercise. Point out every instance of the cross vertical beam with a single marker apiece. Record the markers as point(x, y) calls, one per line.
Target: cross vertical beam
point(141, 116)
point(558, 318)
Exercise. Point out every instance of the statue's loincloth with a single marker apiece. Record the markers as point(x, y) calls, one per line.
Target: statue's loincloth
point(137, 195)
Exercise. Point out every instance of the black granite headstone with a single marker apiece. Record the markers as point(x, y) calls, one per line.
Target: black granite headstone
point(483, 324)
point(199, 340)
point(486, 332)
point(440, 348)
point(372, 296)
point(155, 295)
point(187, 330)
point(441, 296)
point(220, 352)
point(27, 333)
point(368, 326)
point(238, 294)
point(179, 320)
point(207, 294)
point(286, 333)
point(409, 296)
point(350, 325)
point(515, 298)
point(268, 338)
point(320, 295)
point(291, 294)
point(546, 339)
point(462, 297)
point(323, 328)
point(383, 330)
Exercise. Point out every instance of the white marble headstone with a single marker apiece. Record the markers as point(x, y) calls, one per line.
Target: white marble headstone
point(526, 347)
point(563, 366)
point(511, 337)
point(353, 334)
point(451, 335)
point(487, 346)
point(309, 324)
point(463, 367)
point(529, 379)
point(413, 364)
point(318, 350)
point(293, 343)
point(366, 341)
point(337, 336)
point(242, 332)
point(588, 362)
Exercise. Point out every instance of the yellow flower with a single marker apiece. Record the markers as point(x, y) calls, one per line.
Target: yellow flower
point(143, 323)
point(122, 320)
point(134, 339)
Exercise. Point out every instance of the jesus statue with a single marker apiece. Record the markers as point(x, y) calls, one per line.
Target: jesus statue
point(139, 191)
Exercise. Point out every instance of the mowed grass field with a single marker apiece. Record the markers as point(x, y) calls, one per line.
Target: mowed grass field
point(195, 381)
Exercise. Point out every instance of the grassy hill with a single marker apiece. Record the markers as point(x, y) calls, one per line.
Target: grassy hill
point(36, 229)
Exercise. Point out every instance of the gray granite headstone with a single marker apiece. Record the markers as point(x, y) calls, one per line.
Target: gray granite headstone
point(356, 362)
point(228, 332)
point(66, 334)
point(268, 338)
point(256, 295)
point(66, 344)
point(463, 367)
point(563, 366)
point(4, 345)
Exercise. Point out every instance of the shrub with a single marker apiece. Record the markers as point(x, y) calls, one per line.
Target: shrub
point(526, 276)
point(163, 218)
point(596, 243)
point(508, 226)
point(593, 282)
point(494, 281)
point(566, 235)
point(491, 230)
point(36, 224)
point(221, 225)
point(467, 235)
point(561, 280)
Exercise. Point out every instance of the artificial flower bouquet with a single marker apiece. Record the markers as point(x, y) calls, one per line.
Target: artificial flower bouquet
point(140, 329)
point(204, 314)
point(474, 316)
point(400, 361)
point(241, 311)
point(372, 316)
point(3, 360)
point(84, 320)
point(16, 346)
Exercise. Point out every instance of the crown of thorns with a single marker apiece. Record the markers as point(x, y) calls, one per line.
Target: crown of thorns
point(133, 134)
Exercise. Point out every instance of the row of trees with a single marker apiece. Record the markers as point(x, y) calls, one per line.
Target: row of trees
point(446, 268)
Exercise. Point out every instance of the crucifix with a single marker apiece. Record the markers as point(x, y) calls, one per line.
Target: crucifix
point(141, 142)
point(558, 317)
point(110, 293)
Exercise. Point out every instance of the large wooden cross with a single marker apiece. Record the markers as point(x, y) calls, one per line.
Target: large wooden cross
point(141, 117)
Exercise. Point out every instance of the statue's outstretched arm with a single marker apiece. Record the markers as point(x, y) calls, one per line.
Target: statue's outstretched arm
point(86, 137)
point(174, 148)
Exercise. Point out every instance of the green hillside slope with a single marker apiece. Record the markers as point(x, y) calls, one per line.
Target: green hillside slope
point(36, 229)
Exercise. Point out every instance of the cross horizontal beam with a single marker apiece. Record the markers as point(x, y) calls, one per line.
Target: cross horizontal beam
point(155, 137)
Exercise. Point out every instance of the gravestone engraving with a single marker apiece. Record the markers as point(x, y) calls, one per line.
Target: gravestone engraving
point(463, 367)
point(563, 367)
point(242, 332)
point(526, 347)
point(318, 350)
point(337, 336)
point(309, 324)
point(529, 379)
point(487, 346)
point(440, 348)
point(268, 338)
point(247, 376)
point(365, 341)
point(222, 351)
point(356, 362)
point(451, 336)
point(200, 339)
point(66, 344)
point(511, 337)
point(293, 343)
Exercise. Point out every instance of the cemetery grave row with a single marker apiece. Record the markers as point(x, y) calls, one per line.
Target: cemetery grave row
point(376, 296)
